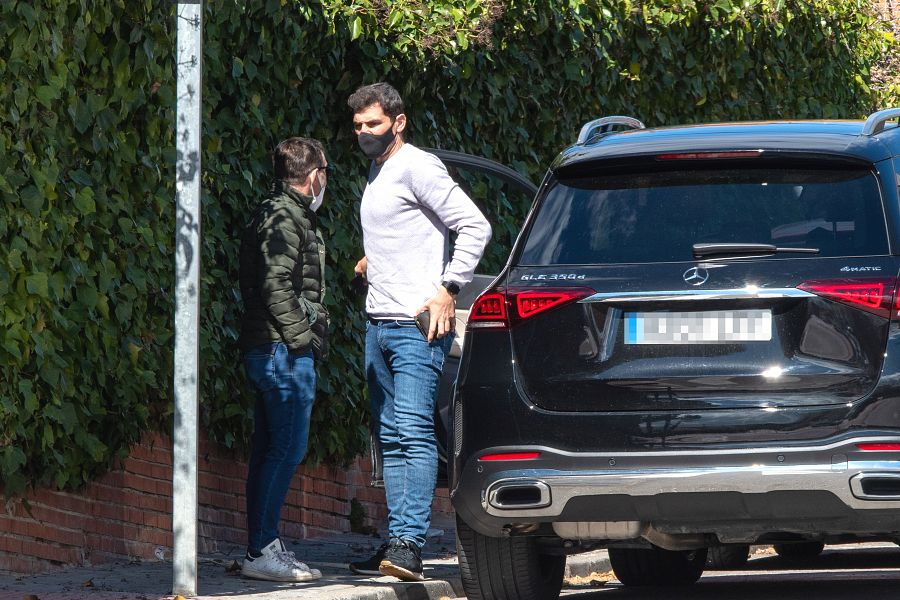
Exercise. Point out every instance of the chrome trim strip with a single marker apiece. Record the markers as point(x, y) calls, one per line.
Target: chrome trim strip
point(843, 445)
point(746, 293)
point(875, 123)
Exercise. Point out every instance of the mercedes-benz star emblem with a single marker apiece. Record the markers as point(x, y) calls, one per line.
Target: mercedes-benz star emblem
point(696, 276)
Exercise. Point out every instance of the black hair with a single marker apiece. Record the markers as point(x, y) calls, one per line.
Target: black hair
point(377, 93)
point(296, 157)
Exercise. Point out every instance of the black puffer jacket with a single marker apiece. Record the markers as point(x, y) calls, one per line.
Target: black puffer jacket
point(282, 275)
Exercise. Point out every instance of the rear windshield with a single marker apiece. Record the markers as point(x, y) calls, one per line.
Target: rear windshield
point(659, 216)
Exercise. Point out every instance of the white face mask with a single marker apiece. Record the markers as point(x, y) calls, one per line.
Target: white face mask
point(318, 198)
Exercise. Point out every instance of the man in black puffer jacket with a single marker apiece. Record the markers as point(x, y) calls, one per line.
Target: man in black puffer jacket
point(283, 331)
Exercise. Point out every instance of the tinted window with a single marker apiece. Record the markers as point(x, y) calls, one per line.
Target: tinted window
point(659, 216)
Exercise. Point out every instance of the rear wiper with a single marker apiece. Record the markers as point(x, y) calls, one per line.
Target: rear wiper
point(744, 250)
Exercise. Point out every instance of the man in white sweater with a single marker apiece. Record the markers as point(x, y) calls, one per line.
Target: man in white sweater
point(409, 206)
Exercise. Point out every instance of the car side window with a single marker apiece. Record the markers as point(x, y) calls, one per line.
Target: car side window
point(498, 191)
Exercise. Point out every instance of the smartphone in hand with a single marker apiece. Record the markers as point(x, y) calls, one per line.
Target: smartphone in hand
point(423, 320)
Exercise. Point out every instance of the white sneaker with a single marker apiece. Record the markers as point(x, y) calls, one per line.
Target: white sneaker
point(277, 564)
point(289, 555)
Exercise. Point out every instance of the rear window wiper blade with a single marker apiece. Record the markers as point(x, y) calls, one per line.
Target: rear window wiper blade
point(744, 250)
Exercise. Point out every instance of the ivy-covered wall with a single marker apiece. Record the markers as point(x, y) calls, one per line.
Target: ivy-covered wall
point(87, 166)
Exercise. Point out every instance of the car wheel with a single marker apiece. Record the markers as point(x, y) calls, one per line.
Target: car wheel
point(727, 557)
point(656, 566)
point(511, 568)
point(800, 549)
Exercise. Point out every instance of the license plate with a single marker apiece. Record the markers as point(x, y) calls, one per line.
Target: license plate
point(704, 327)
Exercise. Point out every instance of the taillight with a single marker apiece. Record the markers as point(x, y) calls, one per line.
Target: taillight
point(877, 296)
point(500, 310)
point(876, 447)
point(511, 456)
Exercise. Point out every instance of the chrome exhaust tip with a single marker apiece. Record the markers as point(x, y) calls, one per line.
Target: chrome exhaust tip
point(876, 486)
point(518, 495)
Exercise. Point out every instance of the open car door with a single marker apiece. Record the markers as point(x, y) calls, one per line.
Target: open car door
point(493, 187)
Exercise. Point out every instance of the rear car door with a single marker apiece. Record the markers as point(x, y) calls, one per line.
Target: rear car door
point(705, 284)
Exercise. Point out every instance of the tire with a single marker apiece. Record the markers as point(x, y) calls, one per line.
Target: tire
point(657, 567)
point(511, 568)
point(799, 549)
point(725, 558)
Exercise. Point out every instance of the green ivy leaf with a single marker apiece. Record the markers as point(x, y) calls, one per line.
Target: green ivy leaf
point(84, 201)
point(81, 114)
point(36, 284)
point(33, 199)
point(14, 260)
point(87, 296)
point(80, 177)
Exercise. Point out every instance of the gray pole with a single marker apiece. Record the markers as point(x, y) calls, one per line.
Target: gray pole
point(187, 295)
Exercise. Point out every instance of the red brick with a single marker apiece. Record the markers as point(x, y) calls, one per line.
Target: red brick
point(141, 550)
point(49, 551)
point(49, 533)
point(145, 452)
point(162, 504)
point(14, 525)
point(318, 532)
point(11, 544)
point(21, 564)
point(218, 499)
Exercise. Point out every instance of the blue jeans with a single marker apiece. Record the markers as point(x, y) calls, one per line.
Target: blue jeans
point(285, 387)
point(403, 370)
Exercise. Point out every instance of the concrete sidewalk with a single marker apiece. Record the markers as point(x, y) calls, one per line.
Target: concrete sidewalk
point(219, 575)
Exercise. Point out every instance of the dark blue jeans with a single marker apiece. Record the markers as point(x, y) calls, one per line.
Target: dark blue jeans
point(403, 370)
point(285, 387)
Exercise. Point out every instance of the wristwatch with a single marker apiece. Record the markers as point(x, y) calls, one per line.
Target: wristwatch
point(451, 287)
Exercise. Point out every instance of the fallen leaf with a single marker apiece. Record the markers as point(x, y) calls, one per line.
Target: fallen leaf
point(233, 567)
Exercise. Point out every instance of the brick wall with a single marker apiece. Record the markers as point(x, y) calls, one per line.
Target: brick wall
point(127, 513)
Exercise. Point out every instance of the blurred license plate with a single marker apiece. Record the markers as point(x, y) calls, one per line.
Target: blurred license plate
point(705, 327)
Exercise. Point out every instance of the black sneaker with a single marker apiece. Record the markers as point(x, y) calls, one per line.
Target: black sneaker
point(370, 565)
point(402, 560)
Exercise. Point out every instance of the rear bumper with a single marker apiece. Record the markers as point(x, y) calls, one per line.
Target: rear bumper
point(833, 486)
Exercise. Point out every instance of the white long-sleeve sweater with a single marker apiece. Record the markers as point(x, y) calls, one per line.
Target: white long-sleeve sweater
point(408, 208)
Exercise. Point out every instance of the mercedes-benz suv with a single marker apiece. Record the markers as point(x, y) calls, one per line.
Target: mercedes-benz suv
point(695, 343)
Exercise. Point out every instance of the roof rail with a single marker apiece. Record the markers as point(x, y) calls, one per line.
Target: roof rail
point(605, 125)
point(875, 123)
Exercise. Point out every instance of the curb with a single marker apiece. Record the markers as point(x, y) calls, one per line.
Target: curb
point(432, 589)
point(582, 565)
point(151, 580)
point(450, 586)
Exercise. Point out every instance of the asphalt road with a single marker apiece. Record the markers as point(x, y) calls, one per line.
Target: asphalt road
point(857, 571)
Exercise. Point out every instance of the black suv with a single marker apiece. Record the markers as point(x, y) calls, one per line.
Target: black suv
point(695, 344)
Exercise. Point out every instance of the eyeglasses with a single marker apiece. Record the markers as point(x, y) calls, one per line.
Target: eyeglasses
point(327, 168)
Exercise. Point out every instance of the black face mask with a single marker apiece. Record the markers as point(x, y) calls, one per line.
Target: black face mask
point(373, 145)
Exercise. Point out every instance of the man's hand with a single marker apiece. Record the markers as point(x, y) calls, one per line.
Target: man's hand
point(442, 313)
point(361, 267)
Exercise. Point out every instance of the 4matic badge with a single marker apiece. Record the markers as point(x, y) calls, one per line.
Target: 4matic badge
point(859, 269)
